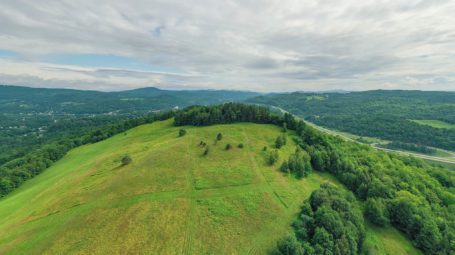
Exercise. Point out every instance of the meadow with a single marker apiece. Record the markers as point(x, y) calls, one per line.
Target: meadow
point(435, 123)
point(171, 199)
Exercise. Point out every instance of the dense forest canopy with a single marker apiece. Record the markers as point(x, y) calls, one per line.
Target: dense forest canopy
point(384, 114)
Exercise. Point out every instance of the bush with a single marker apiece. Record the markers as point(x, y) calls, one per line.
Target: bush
point(265, 148)
point(280, 141)
point(228, 146)
point(182, 132)
point(206, 151)
point(240, 145)
point(219, 136)
point(126, 160)
point(272, 157)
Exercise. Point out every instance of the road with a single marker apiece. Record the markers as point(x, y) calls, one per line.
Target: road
point(450, 160)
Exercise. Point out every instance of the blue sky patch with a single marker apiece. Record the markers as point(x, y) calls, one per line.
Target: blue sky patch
point(8, 54)
point(98, 60)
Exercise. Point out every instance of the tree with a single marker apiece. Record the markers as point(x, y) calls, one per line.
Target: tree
point(240, 145)
point(284, 167)
point(289, 246)
point(228, 146)
point(126, 160)
point(219, 136)
point(272, 157)
point(182, 132)
point(279, 142)
point(376, 212)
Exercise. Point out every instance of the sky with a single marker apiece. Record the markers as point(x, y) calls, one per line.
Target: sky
point(265, 46)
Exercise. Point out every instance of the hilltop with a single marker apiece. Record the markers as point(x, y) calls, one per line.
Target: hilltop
point(169, 200)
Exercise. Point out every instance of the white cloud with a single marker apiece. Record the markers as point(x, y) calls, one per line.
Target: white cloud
point(271, 45)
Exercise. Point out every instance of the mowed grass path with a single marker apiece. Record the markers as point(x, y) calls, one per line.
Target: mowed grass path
point(435, 123)
point(169, 200)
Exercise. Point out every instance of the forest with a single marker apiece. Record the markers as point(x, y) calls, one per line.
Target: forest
point(387, 115)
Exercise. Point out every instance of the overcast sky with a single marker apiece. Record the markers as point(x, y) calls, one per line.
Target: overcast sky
point(272, 45)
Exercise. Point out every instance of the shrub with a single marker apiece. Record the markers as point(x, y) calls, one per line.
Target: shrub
point(206, 151)
point(126, 160)
point(228, 146)
point(219, 136)
point(280, 141)
point(240, 145)
point(273, 157)
point(182, 132)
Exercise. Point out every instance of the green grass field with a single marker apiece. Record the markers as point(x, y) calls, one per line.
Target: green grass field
point(169, 200)
point(435, 123)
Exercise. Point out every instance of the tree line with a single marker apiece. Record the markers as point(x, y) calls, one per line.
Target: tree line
point(224, 114)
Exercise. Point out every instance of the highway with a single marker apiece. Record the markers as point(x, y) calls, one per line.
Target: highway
point(450, 160)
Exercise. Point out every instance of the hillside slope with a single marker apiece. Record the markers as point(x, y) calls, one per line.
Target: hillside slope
point(169, 200)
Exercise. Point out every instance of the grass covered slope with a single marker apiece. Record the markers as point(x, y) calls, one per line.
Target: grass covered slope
point(169, 200)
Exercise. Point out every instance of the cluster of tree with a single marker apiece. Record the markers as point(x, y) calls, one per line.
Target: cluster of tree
point(383, 114)
point(410, 147)
point(15, 172)
point(330, 222)
point(225, 113)
point(298, 164)
point(396, 189)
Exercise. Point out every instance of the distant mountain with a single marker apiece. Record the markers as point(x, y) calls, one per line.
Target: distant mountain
point(24, 99)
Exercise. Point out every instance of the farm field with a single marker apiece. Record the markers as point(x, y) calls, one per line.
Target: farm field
point(169, 200)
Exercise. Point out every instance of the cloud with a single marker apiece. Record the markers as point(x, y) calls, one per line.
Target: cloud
point(270, 45)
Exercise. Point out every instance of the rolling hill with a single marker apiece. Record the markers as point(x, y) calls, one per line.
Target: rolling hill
point(170, 199)
point(417, 117)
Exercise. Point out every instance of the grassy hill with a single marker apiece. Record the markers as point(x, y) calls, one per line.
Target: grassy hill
point(169, 200)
